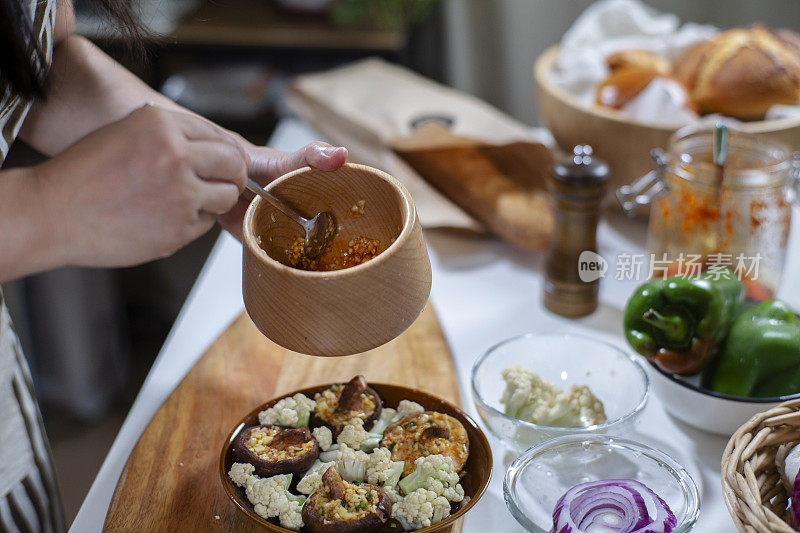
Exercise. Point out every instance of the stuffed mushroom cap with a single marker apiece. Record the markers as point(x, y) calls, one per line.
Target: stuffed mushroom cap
point(274, 450)
point(341, 402)
point(341, 507)
point(427, 433)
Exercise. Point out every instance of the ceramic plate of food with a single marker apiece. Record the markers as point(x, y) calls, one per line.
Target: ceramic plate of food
point(356, 457)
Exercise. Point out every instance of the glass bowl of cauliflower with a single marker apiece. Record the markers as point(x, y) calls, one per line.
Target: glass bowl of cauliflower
point(534, 387)
point(357, 457)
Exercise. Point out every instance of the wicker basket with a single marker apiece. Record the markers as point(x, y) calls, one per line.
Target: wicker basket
point(751, 484)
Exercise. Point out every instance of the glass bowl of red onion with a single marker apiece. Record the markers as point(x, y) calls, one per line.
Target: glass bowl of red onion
point(587, 483)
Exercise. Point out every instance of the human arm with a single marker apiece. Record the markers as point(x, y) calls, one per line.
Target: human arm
point(70, 210)
point(27, 243)
point(136, 189)
point(88, 89)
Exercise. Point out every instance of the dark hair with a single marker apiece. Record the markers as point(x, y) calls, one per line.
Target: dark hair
point(23, 66)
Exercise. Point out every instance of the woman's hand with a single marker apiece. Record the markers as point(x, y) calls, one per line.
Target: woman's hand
point(140, 188)
point(268, 164)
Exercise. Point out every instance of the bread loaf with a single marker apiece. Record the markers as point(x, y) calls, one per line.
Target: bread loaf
point(504, 187)
point(631, 72)
point(622, 86)
point(742, 72)
point(639, 59)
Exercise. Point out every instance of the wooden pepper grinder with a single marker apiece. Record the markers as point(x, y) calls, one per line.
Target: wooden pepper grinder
point(573, 269)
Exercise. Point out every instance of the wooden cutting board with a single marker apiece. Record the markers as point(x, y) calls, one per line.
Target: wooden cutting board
point(171, 480)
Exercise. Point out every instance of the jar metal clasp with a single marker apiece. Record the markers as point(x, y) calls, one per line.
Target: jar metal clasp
point(794, 178)
point(645, 189)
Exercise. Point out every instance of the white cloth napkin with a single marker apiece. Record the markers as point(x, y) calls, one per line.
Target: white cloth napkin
point(663, 98)
point(609, 26)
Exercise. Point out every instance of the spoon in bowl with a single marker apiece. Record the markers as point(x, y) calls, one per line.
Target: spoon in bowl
point(319, 231)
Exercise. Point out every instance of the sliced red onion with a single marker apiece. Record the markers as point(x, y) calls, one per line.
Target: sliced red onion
point(787, 459)
point(612, 506)
point(794, 502)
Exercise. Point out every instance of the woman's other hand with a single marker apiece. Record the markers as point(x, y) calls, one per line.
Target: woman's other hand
point(140, 188)
point(268, 164)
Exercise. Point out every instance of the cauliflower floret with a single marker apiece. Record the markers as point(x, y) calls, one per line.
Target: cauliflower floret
point(581, 408)
point(381, 470)
point(421, 508)
point(351, 464)
point(289, 412)
point(331, 454)
point(270, 496)
point(240, 472)
point(294, 519)
point(527, 396)
point(388, 415)
point(436, 473)
point(356, 437)
point(407, 407)
point(313, 478)
point(324, 437)
point(530, 397)
point(392, 493)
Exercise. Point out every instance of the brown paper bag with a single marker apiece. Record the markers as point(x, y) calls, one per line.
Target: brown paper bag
point(373, 107)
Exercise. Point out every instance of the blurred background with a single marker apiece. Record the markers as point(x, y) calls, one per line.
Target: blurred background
point(92, 335)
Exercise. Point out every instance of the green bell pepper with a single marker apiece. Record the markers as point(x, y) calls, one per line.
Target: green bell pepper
point(761, 356)
point(679, 323)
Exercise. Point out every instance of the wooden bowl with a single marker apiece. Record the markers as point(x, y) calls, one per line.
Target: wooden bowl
point(621, 141)
point(751, 485)
point(478, 467)
point(345, 311)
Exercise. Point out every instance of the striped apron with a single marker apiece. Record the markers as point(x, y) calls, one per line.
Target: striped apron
point(28, 494)
point(29, 499)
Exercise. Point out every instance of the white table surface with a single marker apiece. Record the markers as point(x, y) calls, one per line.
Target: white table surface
point(483, 291)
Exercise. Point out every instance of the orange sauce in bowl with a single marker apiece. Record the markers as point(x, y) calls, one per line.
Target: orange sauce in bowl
point(339, 254)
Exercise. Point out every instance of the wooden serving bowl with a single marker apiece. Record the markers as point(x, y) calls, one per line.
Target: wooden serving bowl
point(478, 468)
point(345, 311)
point(621, 141)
